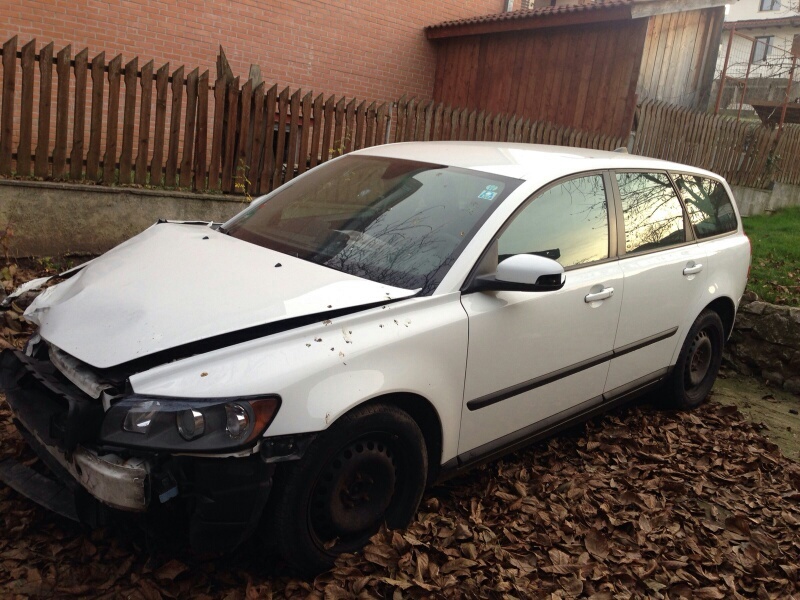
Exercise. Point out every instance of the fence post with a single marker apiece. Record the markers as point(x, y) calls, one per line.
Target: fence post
point(26, 118)
point(7, 116)
point(388, 124)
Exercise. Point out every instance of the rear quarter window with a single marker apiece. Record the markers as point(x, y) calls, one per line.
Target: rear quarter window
point(710, 209)
point(651, 211)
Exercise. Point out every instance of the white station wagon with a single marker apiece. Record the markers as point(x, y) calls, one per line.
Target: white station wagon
point(385, 320)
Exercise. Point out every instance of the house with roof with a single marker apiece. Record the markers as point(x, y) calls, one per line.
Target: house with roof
point(773, 24)
point(580, 65)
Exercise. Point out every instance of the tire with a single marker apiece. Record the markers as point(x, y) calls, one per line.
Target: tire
point(698, 362)
point(368, 468)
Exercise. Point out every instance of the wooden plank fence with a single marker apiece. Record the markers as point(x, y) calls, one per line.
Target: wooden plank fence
point(166, 127)
point(744, 152)
point(428, 121)
point(786, 158)
point(95, 120)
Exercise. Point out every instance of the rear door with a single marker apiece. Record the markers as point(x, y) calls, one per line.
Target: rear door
point(664, 270)
point(535, 358)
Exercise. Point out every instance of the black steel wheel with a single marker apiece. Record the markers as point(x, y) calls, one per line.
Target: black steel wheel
point(367, 469)
point(698, 362)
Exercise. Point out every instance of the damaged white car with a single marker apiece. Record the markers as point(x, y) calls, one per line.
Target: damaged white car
point(385, 320)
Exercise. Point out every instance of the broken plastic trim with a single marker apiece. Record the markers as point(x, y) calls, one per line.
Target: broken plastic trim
point(232, 338)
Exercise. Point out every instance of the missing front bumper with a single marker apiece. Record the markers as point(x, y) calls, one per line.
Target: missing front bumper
point(223, 497)
point(56, 420)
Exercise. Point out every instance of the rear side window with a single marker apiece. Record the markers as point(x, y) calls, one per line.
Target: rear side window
point(709, 207)
point(568, 223)
point(652, 212)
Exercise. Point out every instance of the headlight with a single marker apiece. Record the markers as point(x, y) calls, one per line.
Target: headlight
point(188, 424)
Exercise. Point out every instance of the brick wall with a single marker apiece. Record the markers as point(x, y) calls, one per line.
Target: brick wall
point(369, 49)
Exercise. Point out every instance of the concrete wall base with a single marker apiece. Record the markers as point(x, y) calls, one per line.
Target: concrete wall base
point(753, 201)
point(51, 219)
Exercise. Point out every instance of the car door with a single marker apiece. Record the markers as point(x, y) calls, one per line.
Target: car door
point(538, 357)
point(665, 274)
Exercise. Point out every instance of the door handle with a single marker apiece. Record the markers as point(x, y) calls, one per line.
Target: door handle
point(601, 295)
point(692, 268)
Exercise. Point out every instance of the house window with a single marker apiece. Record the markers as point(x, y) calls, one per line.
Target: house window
point(768, 5)
point(761, 48)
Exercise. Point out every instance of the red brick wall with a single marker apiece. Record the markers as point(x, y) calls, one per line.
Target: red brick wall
point(370, 49)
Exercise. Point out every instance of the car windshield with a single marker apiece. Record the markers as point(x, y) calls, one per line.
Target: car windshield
point(398, 222)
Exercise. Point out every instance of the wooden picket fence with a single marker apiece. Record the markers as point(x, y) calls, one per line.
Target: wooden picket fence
point(786, 157)
point(221, 137)
point(426, 121)
point(119, 124)
point(744, 152)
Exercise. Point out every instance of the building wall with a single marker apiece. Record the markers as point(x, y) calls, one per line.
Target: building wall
point(581, 76)
point(782, 36)
point(744, 10)
point(679, 57)
point(370, 49)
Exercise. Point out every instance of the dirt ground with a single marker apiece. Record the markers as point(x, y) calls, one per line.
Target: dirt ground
point(776, 412)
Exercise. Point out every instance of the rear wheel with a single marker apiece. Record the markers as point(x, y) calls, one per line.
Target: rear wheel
point(368, 468)
point(698, 362)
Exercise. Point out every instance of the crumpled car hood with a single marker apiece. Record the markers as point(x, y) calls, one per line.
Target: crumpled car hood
point(177, 283)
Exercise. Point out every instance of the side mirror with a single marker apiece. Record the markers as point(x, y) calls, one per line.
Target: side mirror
point(523, 273)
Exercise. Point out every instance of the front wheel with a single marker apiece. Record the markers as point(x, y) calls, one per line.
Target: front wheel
point(367, 469)
point(698, 362)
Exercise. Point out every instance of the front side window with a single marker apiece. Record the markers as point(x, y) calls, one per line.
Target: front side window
point(398, 222)
point(651, 210)
point(568, 223)
point(709, 207)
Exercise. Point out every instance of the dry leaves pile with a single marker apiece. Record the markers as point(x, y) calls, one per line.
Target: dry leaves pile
point(639, 503)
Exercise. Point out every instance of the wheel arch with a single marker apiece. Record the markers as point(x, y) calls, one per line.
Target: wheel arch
point(726, 309)
point(427, 419)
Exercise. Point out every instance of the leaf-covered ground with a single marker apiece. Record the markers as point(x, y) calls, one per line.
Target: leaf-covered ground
point(639, 503)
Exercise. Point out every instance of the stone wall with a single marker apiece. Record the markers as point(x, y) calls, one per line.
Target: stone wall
point(766, 342)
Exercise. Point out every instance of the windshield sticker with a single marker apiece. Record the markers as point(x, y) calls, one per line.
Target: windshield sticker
point(489, 193)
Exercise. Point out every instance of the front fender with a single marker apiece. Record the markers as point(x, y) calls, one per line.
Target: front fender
point(325, 369)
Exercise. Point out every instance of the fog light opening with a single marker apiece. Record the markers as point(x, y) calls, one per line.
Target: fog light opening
point(191, 424)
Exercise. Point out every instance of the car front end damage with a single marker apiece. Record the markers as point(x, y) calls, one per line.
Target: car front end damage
point(110, 449)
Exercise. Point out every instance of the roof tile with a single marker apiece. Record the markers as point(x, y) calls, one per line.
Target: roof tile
point(532, 13)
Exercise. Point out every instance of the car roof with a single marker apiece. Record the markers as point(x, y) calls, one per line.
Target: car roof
point(530, 162)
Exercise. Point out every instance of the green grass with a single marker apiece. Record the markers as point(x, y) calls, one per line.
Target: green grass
point(775, 270)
